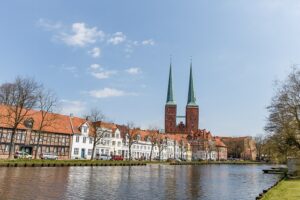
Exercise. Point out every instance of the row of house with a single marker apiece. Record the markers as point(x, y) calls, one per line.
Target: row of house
point(71, 137)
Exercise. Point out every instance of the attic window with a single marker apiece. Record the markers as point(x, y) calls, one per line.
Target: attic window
point(28, 123)
point(85, 129)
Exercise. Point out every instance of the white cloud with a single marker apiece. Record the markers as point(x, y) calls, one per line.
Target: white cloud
point(95, 52)
point(103, 74)
point(82, 35)
point(49, 25)
point(108, 92)
point(95, 66)
point(75, 107)
point(100, 73)
point(117, 38)
point(148, 42)
point(133, 70)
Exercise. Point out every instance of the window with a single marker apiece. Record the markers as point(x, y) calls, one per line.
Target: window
point(90, 152)
point(97, 151)
point(76, 150)
point(85, 129)
point(119, 144)
point(113, 143)
point(84, 140)
point(77, 139)
point(47, 149)
point(91, 140)
point(117, 135)
point(6, 147)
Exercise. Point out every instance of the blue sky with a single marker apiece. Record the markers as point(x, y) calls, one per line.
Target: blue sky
point(115, 55)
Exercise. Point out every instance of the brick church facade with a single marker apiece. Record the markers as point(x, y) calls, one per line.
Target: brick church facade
point(191, 113)
point(203, 145)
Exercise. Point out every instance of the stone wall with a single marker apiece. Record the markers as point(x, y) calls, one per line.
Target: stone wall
point(293, 166)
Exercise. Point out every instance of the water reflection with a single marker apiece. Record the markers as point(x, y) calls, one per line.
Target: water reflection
point(149, 182)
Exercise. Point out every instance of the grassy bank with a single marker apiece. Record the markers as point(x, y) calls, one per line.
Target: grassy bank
point(58, 163)
point(287, 189)
point(217, 163)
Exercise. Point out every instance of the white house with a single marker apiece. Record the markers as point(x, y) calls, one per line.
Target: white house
point(82, 142)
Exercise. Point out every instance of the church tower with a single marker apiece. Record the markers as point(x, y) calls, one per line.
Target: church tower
point(170, 107)
point(192, 109)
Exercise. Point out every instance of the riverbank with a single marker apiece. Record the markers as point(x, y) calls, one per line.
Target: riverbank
point(62, 163)
point(286, 189)
point(59, 163)
point(217, 163)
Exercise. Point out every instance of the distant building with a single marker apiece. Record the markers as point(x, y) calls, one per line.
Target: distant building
point(240, 147)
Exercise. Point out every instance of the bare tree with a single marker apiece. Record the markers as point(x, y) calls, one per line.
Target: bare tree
point(95, 119)
point(153, 138)
point(259, 143)
point(181, 146)
point(161, 144)
point(131, 137)
point(284, 118)
point(19, 98)
point(46, 103)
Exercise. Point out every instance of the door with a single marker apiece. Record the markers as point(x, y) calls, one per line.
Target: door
point(82, 153)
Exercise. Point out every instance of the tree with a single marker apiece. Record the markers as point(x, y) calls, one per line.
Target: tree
point(181, 146)
point(131, 137)
point(19, 98)
point(95, 119)
point(153, 138)
point(259, 143)
point(46, 103)
point(283, 123)
point(161, 144)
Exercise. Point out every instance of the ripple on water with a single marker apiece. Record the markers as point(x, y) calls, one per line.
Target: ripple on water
point(205, 182)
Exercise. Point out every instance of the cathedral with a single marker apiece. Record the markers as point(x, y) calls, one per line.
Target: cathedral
point(191, 112)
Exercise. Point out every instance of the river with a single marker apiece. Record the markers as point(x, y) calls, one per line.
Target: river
point(206, 182)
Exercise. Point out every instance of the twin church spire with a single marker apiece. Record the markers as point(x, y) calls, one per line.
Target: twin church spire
point(191, 94)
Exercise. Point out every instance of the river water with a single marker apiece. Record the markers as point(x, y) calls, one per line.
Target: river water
point(140, 182)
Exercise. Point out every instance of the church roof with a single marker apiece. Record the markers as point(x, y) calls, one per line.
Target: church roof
point(170, 98)
point(191, 95)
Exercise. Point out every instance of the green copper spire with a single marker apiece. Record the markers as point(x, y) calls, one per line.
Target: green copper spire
point(170, 99)
point(191, 95)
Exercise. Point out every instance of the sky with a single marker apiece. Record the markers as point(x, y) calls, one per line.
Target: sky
point(115, 56)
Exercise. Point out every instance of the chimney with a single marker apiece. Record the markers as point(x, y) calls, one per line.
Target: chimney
point(71, 115)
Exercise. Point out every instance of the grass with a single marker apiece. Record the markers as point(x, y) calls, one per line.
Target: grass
point(38, 162)
point(218, 162)
point(22, 162)
point(287, 189)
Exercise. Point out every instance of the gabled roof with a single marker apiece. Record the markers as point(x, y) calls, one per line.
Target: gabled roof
point(57, 123)
point(218, 142)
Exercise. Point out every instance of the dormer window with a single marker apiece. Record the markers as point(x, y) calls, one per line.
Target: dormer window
point(85, 129)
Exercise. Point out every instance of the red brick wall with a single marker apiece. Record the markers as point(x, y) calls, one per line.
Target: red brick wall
point(192, 118)
point(170, 118)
